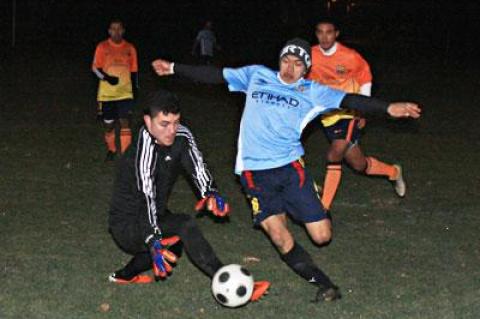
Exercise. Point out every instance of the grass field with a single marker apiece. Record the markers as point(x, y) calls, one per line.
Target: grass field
point(416, 257)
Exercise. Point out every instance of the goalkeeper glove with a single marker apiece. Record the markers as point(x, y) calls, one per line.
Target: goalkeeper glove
point(214, 203)
point(161, 256)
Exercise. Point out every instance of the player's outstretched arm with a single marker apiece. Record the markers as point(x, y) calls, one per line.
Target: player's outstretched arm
point(374, 105)
point(194, 165)
point(200, 73)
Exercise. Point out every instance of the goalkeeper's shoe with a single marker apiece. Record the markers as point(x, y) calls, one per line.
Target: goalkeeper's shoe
point(330, 293)
point(138, 279)
point(399, 183)
point(259, 289)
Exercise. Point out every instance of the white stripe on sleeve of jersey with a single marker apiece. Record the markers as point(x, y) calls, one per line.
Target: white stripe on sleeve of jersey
point(145, 164)
point(202, 178)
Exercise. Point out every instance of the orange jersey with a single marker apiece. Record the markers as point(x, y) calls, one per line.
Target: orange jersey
point(118, 60)
point(345, 70)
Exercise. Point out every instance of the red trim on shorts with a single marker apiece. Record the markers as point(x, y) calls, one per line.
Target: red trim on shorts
point(300, 171)
point(351, 126)
point(249, 177)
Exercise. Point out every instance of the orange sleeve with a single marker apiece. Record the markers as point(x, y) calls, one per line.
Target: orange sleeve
point(134, 60)
point(313, 74)
point(99, 57)
point(363, 73)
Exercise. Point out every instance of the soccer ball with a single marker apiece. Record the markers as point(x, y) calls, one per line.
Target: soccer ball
point(232, 286)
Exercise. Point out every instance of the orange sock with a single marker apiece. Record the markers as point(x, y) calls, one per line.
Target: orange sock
point(125, 139)
point(376, 167)
point(330, 185)
point(110, 141)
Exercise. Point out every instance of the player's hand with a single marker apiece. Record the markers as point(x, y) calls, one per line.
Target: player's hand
point(161, 256)
point(214, 203)
point(162, 67)
point(112, 80)
point(404, 109)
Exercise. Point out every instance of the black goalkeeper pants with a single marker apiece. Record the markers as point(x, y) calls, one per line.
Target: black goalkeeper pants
point(129, 239)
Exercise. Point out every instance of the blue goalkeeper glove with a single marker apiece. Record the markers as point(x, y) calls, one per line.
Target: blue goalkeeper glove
point(214, 203)
point(161, 256)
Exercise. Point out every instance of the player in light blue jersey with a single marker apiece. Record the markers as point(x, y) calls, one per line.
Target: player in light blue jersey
point(278, 106)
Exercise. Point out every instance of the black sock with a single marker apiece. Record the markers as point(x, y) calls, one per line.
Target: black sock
point(139, 263)
point(301, 262)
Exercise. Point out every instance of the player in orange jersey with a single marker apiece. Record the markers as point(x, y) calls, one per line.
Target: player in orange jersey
point(115, 65)
point(343, 68)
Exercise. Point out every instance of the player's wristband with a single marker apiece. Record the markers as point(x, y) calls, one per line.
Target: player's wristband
point(364, 104)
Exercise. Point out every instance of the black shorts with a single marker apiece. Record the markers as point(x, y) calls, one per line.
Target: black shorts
point(130, 238)
point(113, 110)
point(344, 129)
point(287, 189)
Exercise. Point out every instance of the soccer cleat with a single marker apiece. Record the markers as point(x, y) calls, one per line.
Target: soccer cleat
point(259, 289)
point(138, 279)
point(399, 183)
point(110, 156)
point(327, 294)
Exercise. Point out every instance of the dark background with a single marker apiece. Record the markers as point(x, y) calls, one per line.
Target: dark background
point(249, 31)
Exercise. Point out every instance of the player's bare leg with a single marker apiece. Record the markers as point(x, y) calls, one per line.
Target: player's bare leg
point(356, 159)
point(125, 134)
point(297, 258)
point(276, 228)
point(320, 232)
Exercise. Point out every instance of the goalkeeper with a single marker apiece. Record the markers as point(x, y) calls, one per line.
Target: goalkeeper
point(139, 221)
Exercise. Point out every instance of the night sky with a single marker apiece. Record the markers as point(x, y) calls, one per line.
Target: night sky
point(249, 31)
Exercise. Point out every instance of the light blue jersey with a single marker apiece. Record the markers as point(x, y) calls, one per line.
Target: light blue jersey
point(275, 115)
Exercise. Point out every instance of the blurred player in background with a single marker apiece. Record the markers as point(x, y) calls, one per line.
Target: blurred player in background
point(206, 43)
point(342, 68)
point(115, 65)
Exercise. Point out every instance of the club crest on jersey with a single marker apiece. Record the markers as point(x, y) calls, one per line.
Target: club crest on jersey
point(275, 99)
point(340, 69)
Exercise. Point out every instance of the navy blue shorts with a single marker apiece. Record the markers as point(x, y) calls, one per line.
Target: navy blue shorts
point(113, 110)
point(287, 189)
point(344, 129)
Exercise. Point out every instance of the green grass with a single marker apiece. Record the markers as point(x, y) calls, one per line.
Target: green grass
point(416, 257)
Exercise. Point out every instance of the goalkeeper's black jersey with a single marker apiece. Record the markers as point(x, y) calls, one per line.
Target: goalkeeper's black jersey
point(146, 175)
